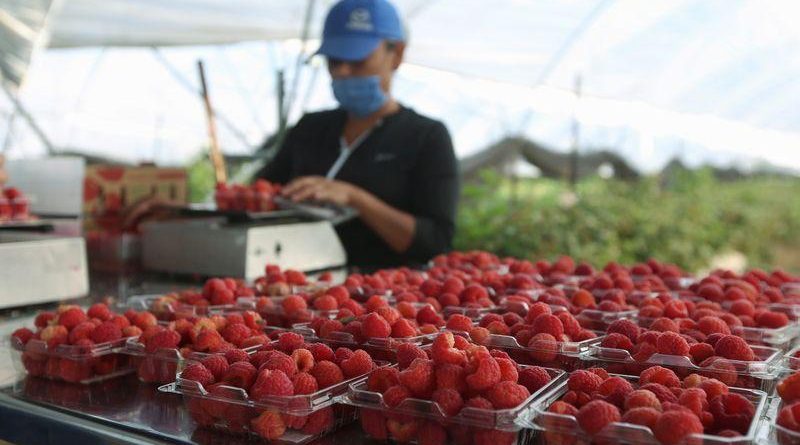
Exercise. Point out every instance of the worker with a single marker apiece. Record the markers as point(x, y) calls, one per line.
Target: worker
point(395, 167)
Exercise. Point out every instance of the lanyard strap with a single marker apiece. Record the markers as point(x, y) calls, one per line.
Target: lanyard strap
point(346, 150)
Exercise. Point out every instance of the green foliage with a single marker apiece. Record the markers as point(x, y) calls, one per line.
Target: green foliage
point(686, 222)
point(201, 179)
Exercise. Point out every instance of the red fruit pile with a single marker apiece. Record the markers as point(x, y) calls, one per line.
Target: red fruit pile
point(285, 368)
point(457, 376)
point(276, 282)
point(13, 205)
point(706, 345)
point(540, 331)
point(215, 292)
point(257, 197)
point(379, 321)
point(671, 409)
point(736, 313)
point(303, 307)
point(64, 344)
point(789, 414)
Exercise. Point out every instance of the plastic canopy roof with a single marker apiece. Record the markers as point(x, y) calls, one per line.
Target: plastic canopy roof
point(708, 80)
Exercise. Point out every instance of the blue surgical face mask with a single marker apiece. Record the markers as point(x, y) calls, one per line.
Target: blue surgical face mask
point(361, 96)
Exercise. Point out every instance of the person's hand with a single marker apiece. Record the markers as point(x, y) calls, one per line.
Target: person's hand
point(318, 188)
point(3, 174)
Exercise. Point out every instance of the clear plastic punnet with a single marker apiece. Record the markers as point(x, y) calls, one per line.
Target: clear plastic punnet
point(276, 315)
point(779, 338)
point(598, 320)
point(500, 427)
point(295, 419)
point(71, 363)
point(552, 428)
point(759, 374)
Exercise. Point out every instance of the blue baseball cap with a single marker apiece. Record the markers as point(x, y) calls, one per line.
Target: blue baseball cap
point(354, 28)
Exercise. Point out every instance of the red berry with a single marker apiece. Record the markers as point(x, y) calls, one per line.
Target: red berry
point(304, 383)
point(271, 383)
point(672, 344)
point(584, 381)
point(486, 375)
point(419, 377)
point(375, 326)
point(596, 415)
point(710, 325)
point(789, 388)
point(407, 353)
point(106, 332)
point(241, 374)
point(198, 373)
point(624, 327)
point(269, 425)
point(615, 390)
point(662, 392)
point(644, 416)
point(395, 395)
point(507, 394)
point(642, 398)
point(217, 365)
point(772, 320)
point(673, 426)
point(443, 350)
point(660, 375)
point(320, 351)
point(359, 364)
point(449, 401)
point(548, 324)
point(617, 341)
point(289, 341)
point(327, 374)
point(734, 348)
point(789, 417)
point(383, 378)
point(732, 411)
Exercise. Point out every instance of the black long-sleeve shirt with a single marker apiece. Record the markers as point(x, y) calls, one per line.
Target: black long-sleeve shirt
point(407, 162)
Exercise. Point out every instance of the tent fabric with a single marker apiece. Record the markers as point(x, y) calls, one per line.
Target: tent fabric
point(707, 80)
point(21, 26)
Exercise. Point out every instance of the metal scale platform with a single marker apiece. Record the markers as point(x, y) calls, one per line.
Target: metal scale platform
point(240, 244)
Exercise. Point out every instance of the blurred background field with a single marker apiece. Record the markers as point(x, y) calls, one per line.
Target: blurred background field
point(692, 219)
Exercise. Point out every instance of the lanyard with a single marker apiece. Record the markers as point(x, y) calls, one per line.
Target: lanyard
point(346, 150)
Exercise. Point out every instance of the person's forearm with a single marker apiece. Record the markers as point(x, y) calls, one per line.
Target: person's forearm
point(392, 225)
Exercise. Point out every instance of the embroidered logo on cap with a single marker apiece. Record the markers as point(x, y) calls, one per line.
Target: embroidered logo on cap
point(360, 20)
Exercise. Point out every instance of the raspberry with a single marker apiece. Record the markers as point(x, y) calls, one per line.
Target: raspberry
point(382, 379)
point(395, 395)
point(236, 333)
point(450, 376)
point(403, 430)
point(584, 381)
point(289, 341)
point(732, 412)
point(449, 401)
point(662, 392)
point(672, 344)
point(442, 350)
point(560, 407)
point(789, 388)
point(208, 340)
point(508, 370)
point(271, 383)
point(624, 327)
point(772, 320)
point(486, 375)
point(494, 437)
point(375, 326)
point(664, 324)
point(106, 332)
point(548, 324)
point(694, 399)
point(359, 364)
point(280, 362)
point(236, 355)
point(43, 319)
point(269, 425)
point(72, 317)
point(642, 398)
point(131, 331)
point(407, 353)
point(734, 348)
point(403, 328)
point(143, 320)
point(304, 383)
point(599, 371)
point(644, 416)
point(543, 348)
point(23, 335)
point(431, 433)
point(693, 380)
point(572, 326)
point(374, 424)
point(163, 339)
point(507, 394)
point(789, 417)
point(700, 352)
point(320, 351)
point(479, 403)
point(100, 311)
point(217, 365)
point(198, 373)
point(342, 354)
point(661, 375)
point(710, 325)
point(458, 322)
point(673, 426)
point(303, 359)
point(614, 390)
point(240, 374)
point(537, 309)
point(419, 377)
point(81, 331)
point(460, 342)
point(675, 309)
point(595, 415)
point(293, 304)
point(327, 374)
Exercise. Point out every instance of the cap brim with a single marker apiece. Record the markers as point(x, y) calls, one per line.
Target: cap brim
point(350, 49)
